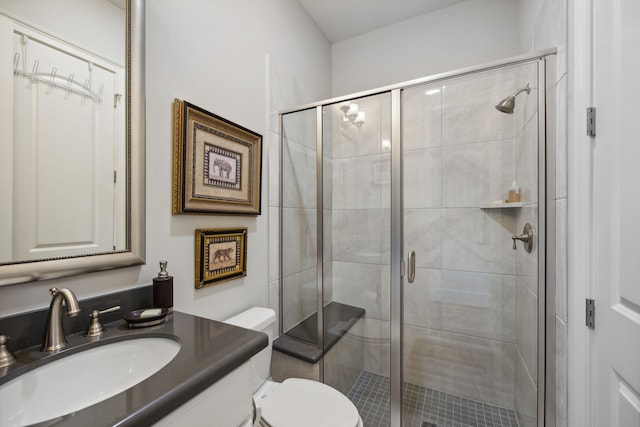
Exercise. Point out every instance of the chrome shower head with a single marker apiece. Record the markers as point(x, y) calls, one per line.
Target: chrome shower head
point(509, 103)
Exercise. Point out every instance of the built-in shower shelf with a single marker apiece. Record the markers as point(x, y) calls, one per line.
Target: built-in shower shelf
point(502, 205)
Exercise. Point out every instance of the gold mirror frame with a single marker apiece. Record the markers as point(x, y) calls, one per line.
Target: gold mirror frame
point(135, 254)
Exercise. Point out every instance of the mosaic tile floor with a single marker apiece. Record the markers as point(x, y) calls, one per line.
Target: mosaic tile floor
point(424, 407)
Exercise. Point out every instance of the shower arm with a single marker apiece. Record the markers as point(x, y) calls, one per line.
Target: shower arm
point(527, 89)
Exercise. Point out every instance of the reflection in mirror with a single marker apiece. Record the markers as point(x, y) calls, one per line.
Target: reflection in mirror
point(71, 137)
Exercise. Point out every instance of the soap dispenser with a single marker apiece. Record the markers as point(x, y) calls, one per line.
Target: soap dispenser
point(514, 193)
point(163, 288)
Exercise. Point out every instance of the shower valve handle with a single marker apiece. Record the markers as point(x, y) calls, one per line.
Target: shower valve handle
point(526, 238)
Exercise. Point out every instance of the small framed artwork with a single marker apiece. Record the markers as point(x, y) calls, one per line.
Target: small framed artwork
point(221, 255)
point(217, 164)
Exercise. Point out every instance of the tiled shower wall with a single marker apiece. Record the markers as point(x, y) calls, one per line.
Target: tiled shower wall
point(299, 216)
point(360, 220)
point(299, 198)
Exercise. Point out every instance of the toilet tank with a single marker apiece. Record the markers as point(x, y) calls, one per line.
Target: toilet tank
point(263, 320)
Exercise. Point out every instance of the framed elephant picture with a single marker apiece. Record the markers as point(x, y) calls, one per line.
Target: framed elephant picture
point(217, 164)
point(221, 255)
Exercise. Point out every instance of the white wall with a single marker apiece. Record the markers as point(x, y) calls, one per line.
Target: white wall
point(213, 54)
point(52, 15)
point(468, 33)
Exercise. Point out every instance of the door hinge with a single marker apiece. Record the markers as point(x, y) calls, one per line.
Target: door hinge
point(590, 318)
point(591, 121)
point(115, 177)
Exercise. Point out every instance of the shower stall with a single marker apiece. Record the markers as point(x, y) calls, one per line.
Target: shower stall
point(417, 248)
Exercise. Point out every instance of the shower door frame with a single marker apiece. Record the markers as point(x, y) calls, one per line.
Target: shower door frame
point(545, 233)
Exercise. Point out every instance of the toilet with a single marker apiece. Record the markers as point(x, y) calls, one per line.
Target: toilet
point(295, 402)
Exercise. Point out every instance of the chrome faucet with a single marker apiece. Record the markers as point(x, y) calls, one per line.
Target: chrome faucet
point(54, 338)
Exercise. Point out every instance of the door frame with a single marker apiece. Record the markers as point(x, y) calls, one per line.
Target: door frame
point(579, 215)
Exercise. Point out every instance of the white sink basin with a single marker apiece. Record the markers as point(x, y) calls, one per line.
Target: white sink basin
point(82, 379)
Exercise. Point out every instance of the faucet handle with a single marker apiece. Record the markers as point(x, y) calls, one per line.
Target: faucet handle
point(95, 327)
point(526, 238)
point(6, 357)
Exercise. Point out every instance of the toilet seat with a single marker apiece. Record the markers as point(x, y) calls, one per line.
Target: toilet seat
point(298, 402)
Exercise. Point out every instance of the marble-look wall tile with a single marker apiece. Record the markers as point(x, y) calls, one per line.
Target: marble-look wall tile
point(423, 234)
point(561, 374)
point(359, 182)
point(274, 243)
point(300, 293)
point(422, 117)
point(561, 138)
point(377, 346)
point(422, 299)
point(526, 396)
point(328, 183)
point(361, 285)
point(327, 282)
point(479, 369)
point(300, 127)
point(561, 259)
point(527, 328)
point(350, 141)
point(526, 161)
point(423, 178)
point(285, 91)
point(298, 175)
point(299, 240)
point(422, 353)
point(345, 361)
point(468, 113)
point(357, 235)
point(550, 30)
point(478, 240)
point(273, 146)
point(477, 174)
point(274, 299)
point(327, 230)
point(477, 304)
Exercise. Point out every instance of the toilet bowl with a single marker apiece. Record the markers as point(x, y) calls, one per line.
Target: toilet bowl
point(295, 402)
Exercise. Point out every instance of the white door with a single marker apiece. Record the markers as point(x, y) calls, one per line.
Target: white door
point(616, 197)
point(65, 153)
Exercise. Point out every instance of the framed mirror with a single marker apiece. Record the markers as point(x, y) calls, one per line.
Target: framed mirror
point(72, 137)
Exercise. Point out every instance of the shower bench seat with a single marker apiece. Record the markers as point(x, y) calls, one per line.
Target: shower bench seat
point(301, 340)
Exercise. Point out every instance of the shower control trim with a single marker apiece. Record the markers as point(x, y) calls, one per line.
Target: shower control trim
point(526, 238)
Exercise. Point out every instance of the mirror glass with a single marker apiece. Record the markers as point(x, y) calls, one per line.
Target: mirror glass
point(71, 137)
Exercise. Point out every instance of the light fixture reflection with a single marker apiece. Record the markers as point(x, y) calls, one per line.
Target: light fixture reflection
point(352, 114)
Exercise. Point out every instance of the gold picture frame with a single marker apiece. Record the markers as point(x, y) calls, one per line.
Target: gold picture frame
point(221, 255)
point(217, 164)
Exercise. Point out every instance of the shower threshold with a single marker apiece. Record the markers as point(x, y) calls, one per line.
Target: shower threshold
point(424, 407)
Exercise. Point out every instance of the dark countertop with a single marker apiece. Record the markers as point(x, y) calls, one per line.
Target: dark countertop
point(209, 350)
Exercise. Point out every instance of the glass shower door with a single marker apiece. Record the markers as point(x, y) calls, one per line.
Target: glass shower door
point(470, 333)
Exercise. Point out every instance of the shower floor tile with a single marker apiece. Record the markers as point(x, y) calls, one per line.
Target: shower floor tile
point(424, 407)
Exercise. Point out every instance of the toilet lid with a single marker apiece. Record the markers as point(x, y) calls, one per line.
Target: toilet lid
point(299, 402)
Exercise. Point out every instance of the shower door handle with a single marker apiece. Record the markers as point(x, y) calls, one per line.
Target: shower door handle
point(411, 266)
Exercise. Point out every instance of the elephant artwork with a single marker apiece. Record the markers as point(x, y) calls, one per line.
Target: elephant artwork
point(223, 167)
